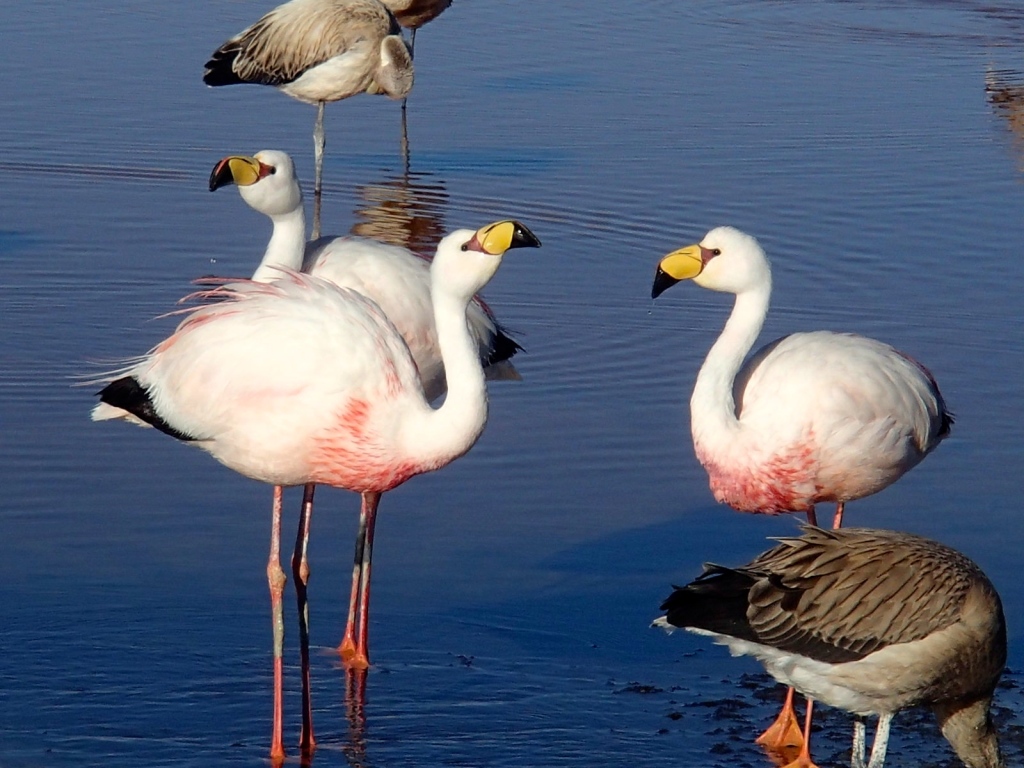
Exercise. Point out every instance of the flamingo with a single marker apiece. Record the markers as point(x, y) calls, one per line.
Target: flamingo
point(868, 621)
point(318, 51)
point(299, 381)
point(811, 417)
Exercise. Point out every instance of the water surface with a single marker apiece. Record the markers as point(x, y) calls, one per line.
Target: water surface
point(877, 151)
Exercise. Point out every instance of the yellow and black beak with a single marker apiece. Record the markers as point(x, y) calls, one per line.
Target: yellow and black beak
point(503, 236)
point(684, 264)
point(239, 170)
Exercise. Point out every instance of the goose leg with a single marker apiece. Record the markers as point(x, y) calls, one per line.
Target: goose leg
point(318, 157)
point(859, 739)
point(277, 579)
point(300, 571)
point(803, 760)
point(785, 731)
point(881, 742)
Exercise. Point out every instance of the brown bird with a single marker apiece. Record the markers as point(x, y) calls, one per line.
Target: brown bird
point(318, 51)
point(865, 620)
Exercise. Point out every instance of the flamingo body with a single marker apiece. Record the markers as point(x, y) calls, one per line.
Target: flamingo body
point(823, 417)
point(811, 417)
point(256, 381)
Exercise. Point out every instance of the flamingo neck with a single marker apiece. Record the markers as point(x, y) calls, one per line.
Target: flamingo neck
point(712, 408)
point(434, 437)
point(286, 247)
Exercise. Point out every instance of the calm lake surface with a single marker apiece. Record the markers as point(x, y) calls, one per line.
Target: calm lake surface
point(875, 148)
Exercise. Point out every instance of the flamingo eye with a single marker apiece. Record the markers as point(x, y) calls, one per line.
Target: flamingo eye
point(716, 252)
point(465, 247)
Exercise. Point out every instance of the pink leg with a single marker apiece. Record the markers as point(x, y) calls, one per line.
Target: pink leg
point(837, 521)
point(354, 644)
point(347, 649)
point(300, 570)
point(373, 499)
point(276, 579)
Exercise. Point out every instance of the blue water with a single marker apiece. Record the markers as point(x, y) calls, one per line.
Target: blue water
point(875, 148)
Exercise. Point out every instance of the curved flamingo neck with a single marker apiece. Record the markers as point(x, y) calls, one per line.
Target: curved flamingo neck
point(286, 247)
point(712, 406)
point(434, 437)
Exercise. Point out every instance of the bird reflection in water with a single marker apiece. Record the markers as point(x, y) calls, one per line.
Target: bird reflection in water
point(354, 747)
point(406, 210)
point(1004, 90)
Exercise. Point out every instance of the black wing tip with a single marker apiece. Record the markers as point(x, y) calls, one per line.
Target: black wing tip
point(505, 348)
point(219, 70)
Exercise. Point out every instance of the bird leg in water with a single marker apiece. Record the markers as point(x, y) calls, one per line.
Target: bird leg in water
point(785, 731)
point(803, 760)
point(276, 579)
point(837, 521)
point(354, 645)
point(881, 742)
point(859, 739)
point(318, 157)
point(300, 571)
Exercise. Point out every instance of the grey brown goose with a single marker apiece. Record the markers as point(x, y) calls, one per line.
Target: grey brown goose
point(865, 620)
point(318, 51)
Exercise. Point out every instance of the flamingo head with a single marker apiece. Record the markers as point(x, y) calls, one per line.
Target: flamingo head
point(467, 260)
point(725, 260)
point(266, 181)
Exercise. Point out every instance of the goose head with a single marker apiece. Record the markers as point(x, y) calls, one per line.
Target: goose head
point(266, 181)
point(467, 260)
point(725, 260)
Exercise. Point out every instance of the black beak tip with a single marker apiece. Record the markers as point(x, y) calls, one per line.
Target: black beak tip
point(662, 282)
point(220, 176)
point(523, 237)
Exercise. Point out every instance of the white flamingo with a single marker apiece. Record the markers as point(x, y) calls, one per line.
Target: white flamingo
point(318, 51)
point(868, 621)
point(811, 417)
point(298, 381)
